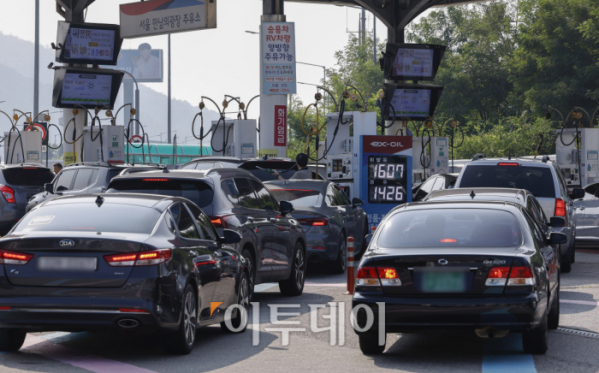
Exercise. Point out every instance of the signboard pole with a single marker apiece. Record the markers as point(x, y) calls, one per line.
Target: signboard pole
point(395, 36)
point(271, 104)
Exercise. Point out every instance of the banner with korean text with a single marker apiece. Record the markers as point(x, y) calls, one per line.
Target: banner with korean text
point(278, 58)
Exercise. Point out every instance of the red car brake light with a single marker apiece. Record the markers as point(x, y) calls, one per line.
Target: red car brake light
point(8, 193)
point(367, 276)
point(145, 258)
point(521, 276)
point(497, 276)
point(220, 221)
point(560, 207)
point(155, 180)
point(11, 257)
point(507, 164)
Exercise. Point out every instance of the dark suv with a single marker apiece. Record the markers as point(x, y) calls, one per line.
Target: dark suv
point(18, 183)
point(82, 178)
point(273, 242)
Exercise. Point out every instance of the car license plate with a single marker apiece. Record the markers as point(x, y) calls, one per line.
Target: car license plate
point(442, 280)
point(60, 263)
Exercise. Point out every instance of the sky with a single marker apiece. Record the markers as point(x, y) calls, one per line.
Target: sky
point(213, 62)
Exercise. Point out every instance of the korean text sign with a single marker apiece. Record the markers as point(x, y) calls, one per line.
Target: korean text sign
point(278, 60)
point(280, 125)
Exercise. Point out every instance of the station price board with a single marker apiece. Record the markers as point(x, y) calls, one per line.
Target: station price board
point(387, 179)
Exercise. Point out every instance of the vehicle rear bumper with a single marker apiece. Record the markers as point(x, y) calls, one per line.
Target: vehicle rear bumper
point(320, 247)
point(418, 314)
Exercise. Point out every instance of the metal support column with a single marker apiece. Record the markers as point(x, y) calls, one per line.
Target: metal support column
point(36, 61)
point(395, 35)
point(169, 88)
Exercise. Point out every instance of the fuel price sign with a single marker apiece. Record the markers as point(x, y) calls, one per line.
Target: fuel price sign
point(88, 89)
point(387, 179)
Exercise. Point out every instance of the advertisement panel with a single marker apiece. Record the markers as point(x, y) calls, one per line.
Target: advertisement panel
point(278, 63)
point(280, 125)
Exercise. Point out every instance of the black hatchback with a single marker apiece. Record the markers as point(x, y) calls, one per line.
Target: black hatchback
point(274, 243)
point(129, 263)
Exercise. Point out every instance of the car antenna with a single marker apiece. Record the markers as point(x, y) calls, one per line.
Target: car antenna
point(99, 201)
point(472, 194)
point(166, 170)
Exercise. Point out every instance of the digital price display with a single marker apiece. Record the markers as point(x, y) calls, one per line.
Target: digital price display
point(86, 89)
point(414, 63)
point(411, 102)
point(92, 44)
point(387, 179)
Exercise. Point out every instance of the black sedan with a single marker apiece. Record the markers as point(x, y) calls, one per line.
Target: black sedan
point(122, 262)
point(483, 266)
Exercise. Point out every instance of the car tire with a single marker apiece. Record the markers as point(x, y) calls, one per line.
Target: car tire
point(339, 265)
point(535, 341)
point(181, 342)
point(252, 270)
point(11, 339)
point(294, 285)
point(244, 301)
point(369, 343)
point(553, 318)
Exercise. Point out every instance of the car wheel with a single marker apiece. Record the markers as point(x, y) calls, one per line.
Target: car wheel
point(339, 265)
point(252, 269)
point(535, 341)
point(369, 343)
point(553, 318)
point(566, 263)
point(244, 301)
point(181, 342)
point(294, 285)
point(11, 339)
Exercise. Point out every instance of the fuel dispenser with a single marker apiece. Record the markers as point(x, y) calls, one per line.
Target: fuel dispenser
point(104, 144)
point(23, 147)
point(234, 138)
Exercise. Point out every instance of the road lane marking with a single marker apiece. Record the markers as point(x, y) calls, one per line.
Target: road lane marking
point(264, 287)
point(329, 285)
point(79, 359)
point(586, 303)
point(505, 355)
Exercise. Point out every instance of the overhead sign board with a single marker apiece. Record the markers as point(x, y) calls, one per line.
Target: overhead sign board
point(157, 17)
point(412, 61)
point(90, 88)
point(278, 63)
point(412, 101)
point(89, 43)
point(144, 63)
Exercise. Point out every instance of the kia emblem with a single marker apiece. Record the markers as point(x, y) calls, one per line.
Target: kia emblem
point(67, 243)
point(443, 262)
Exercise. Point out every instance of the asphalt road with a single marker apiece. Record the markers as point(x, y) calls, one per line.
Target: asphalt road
point(573, 348)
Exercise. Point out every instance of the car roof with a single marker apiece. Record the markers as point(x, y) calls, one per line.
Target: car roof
point(155, 201)
point(486, 194)
point(431, 205)
point(22, 165)
point(520, 161)
point(188, 174)
point(306, 184)
point(217, 159)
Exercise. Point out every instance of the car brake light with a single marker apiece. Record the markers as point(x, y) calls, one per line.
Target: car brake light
point(145, 258)
point(8, 193)
point(132, 310)
point(5, 308)
point(497, 276)
point(389, 276)
point(207, 262)
point(220, 221)
point(560, 207)
point(155, 179)
point(521, 276)
point(449, 240)
point(320, 222)
point(367, 276)
point(11, 257)
point(507, 164)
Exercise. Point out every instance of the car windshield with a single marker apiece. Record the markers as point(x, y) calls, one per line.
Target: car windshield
point(28, 176)
point(197, 192)
point(88, 217)
point(299, 197)
point(537, 180)
point(450, 228)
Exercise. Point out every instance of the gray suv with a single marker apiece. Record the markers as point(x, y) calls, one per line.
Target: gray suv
point(18, 183)
point(542, 178)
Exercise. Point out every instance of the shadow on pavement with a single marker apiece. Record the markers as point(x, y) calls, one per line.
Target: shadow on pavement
point(571, 307)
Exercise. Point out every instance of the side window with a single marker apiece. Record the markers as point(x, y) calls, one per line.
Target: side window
point(538, 212)
point(186, 226)
point(176, 211)
point(240, 193)
point(64, 180)
point(190, 166)
point(534, 229)
point(206, 228)
point(168, 218)
point(265, 198)
point(561, 182)
point(331, 201)
point(340, 197)
point(427, 186)
point(82, 179)
point(440, 184)
point(94, 177)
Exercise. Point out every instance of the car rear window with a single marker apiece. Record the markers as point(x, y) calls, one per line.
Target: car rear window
point(299, 197)
point(197, 192)
point(110, 217)
point(28, 176)
point(450, 228)
point(537, 180)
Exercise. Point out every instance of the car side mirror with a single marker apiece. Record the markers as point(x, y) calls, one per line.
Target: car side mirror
point(48, 187)
point(356, 202)
point(558, 238)
point(62, 188)
point(286, 208)
point(230, 237)
point(577, 193)
point(557, 222)
point(368, 239)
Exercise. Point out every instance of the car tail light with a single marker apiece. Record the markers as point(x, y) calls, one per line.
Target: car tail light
point(145, 258)
point(508, 164)
point(389, 276)
point(319, 222)
point(5, 308)
point(377, 276)
point(11, 257)
point(154, 179)
point(560, 207)
point(8, 193)
point(207, 262)
point(367, 276)
point(449, 240)
point(497, 276)
point(132, 310)
point(220, 221)
point(521, 276)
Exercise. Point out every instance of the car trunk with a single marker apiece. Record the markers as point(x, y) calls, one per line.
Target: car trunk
point(67, 261)
point(305, 218)
point(426, 272)
point(26, 181)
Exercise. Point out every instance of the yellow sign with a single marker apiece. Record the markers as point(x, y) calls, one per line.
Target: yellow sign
point(69, 157)
point(271, 153)
point(214, 306)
